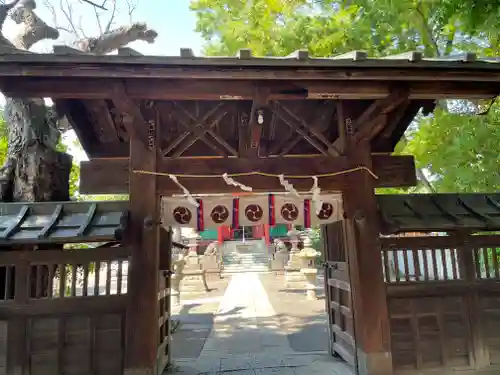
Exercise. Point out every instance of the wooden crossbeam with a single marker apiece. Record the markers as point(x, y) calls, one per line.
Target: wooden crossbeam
point(373, 120)
point(151, 67)
point(301, 127)
point(133, 120)
point(394, 119)
point(260, 102)
point(197, 128)
point(110, 176)
point(99, 111)
point(298, 127)
point(234, 89)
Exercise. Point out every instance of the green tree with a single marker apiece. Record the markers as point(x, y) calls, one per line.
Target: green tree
point(462, 150)
point(457, 149)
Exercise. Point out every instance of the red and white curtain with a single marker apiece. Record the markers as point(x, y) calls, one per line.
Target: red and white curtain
point(330, 211)
point(177, 212)
point(217, 211)
point(253, 210)
point(213, 212)
point(289, 210)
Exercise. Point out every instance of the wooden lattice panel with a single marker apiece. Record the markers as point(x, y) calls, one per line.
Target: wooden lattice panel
point(490, 313)
point(444, 302)
point(429, 332)
point(76, 345)
point(64, 311)
point(341, 313)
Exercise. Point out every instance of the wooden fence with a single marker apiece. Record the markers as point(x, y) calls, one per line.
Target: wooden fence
point(444, 302)
point(63, 312)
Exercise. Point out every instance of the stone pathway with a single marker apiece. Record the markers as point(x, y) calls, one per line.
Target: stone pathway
point(247, 338)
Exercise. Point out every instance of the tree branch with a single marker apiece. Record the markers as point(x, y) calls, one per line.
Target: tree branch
point(98, 20)
point(111, 18)
point(420, 173)
point(35, 29)
point(117, 38)
point(5, 44)
point(131, 7)
point(427, 30)
point(96, 5)
point(4, 11)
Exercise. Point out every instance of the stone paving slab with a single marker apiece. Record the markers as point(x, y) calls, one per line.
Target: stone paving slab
point(266, 364)
point(304, 322)
point(196, 322)
point(258, 328)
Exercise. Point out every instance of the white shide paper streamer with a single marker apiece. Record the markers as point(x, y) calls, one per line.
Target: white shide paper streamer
point(230, 181)
point(316, 198)
point(288, 186)
point(187, 194)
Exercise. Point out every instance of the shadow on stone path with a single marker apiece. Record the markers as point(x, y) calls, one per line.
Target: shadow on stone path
point(255, 328)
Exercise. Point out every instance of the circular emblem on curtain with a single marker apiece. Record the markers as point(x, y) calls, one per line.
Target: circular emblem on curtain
point(254, 212)
point(326, 211)
point(289, 212)
point(219, 214)
point(182, 215)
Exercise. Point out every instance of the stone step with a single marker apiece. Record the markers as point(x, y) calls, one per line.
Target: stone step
point(242, 270)
point(246, 265)
point(261, 259)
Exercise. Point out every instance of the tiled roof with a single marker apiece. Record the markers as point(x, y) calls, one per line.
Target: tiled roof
point(439, 212)
point(62, 222)
point(245, 57)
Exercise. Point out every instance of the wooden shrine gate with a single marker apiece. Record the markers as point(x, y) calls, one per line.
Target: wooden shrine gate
point(142, 119)
point(338, 296)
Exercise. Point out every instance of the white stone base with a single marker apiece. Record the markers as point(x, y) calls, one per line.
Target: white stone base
point(310, 276)
point(294, 278)
point(194, 283)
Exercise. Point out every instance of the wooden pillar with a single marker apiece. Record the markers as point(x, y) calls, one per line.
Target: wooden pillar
point(478, 350)
point(371, 321)
point(144, 240)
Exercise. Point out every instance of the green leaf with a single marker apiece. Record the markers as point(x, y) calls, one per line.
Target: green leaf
point(459, 151)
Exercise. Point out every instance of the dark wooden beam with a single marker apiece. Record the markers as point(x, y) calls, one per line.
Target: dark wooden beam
point(48, 65)
point(303, 128)
point(101, 116)
point(110, 176)
point(394, 119)
point(374, 119)
point(243, 112)
point(368, 292)
point(197, 127)
point(234, 89)
point(143, 237)
point(133, 120)
point(260, 102)
point(76, 113)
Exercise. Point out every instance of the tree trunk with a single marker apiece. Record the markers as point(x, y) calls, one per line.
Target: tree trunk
point(34, 170)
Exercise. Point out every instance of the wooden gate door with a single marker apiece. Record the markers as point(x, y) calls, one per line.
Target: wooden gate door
point(338, 295)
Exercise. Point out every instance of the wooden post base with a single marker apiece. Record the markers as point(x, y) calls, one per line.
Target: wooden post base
point(139, 371)
point(374, 363)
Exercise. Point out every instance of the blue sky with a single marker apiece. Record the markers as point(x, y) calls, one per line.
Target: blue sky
point(175, 24)
point(172, 19)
